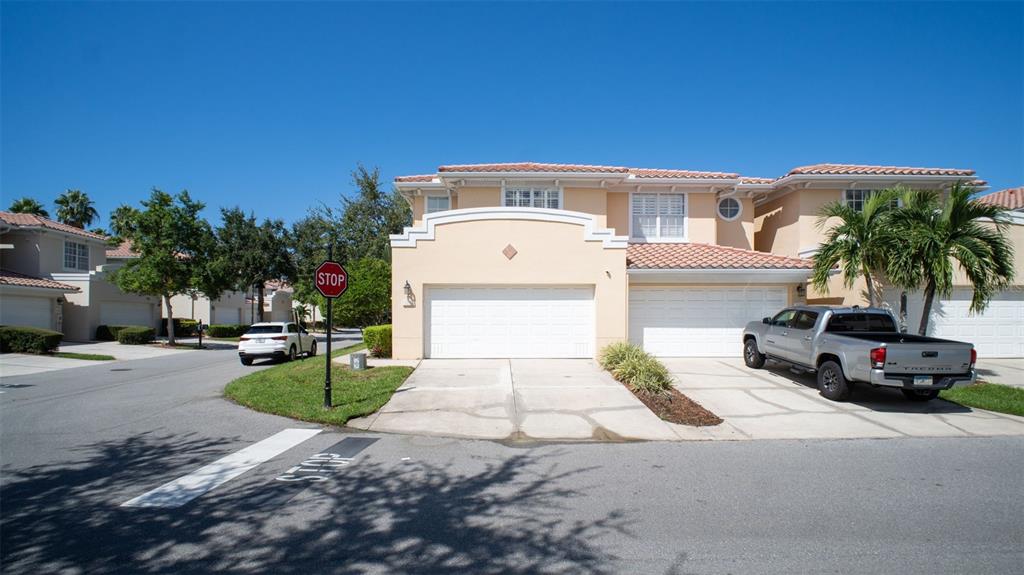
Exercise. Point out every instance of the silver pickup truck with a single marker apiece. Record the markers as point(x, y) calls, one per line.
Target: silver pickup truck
point(851, 344)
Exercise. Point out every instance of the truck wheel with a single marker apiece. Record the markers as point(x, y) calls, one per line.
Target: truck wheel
point(832, 383)
point(753, 358)
point(920, 394)
point(246, 360)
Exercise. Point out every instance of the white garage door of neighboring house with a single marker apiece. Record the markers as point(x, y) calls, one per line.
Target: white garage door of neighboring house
point(26, 311)
point(697, 322)
point(998, 332)
point(126, 313)
point(486, 322)
point(227, 315)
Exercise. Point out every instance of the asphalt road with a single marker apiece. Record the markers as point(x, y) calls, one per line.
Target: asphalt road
point(78, 443)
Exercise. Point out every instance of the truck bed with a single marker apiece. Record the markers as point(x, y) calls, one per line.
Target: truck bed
point(890, 337)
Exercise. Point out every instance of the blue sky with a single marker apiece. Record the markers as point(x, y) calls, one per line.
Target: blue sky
point(270, 106)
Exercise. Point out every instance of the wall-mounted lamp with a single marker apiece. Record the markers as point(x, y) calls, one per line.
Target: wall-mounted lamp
point(801, 290)
point(410, 298)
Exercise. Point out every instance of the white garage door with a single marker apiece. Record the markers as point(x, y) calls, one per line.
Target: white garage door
point(697, 322)
point(26, 311)
point(125, 313)
point(227, 315)
point(510, 322)
point(999, 332)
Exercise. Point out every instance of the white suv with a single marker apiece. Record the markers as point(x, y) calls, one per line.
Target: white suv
point(276, 339)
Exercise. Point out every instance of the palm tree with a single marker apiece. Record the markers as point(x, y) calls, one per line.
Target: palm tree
point(28, 206)
point(856, 243)
point(122, 220)
point(75, 209)
point(930, 238)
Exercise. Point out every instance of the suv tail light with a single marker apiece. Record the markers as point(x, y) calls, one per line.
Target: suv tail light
point(974, 357)
point(280, 338)
point(877, 356)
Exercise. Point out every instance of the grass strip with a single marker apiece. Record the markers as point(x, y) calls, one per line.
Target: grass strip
point(296, 389)
point(990, 396)
point(86, 356)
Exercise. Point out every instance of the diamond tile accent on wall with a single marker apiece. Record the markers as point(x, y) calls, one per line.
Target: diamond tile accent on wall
point(509, 251)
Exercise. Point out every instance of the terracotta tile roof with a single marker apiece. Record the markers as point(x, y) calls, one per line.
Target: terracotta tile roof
point(34, 221)
point(853, 169)
point(656, 173)
point(706, 256)
point(1011, 198)
point(752, 180)
point(9, 278)
point(533, 167)
point(423, 178)
point(123, 250)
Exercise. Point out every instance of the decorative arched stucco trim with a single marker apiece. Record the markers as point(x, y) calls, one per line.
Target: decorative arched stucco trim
point(591, 232)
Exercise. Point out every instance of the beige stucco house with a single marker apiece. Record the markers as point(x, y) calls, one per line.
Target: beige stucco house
point(56, 276)
point(555, 260)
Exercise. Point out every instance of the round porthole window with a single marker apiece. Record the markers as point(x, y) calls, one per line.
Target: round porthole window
point(729, 208)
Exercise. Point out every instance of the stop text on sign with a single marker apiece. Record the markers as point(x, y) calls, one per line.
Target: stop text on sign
point(330, 279)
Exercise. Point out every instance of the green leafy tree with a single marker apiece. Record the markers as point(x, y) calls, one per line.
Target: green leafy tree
point(368, 219)
point(367, 301)
point(856, 242)
point(309, 237)
point(176, 252)
point(930, 238)
point(75, 209)
point(28, 206)
point(252, 254)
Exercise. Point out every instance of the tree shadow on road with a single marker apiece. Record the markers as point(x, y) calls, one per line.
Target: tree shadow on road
point(506, 517)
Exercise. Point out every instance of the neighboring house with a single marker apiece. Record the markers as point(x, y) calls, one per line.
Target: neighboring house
point(555, 260)
point(277, 301)
point(71, 261)
point(786, 224)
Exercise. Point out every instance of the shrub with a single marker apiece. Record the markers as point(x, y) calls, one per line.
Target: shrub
point(183, 327)
point(28, 339)
point(378, 340)
point(227, 330)
point(636, 368)
point(136, 335)
point(108, 332)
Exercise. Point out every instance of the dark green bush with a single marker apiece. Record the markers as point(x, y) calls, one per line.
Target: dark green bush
point(226, 330)
point(19, 339)
point(636, 368)
point(378, 340)
point(108, 332)
point(183, 327)
point(136, 335)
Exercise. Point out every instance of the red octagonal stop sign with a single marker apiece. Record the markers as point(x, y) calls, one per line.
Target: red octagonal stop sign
point(331, 279)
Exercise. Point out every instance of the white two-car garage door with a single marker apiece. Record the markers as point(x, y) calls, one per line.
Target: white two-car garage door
point(998, 332)
point(491, 321)
point(697, 322)
point(26, 311)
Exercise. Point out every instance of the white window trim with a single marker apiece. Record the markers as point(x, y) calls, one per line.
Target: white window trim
point(719, 213)
point(868, 192)
point(426, 202)
point(88, 257)
point(660, 240)
point(558, 188)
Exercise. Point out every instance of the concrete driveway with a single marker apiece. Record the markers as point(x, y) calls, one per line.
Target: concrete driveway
point(517, 399)
point(774, 403)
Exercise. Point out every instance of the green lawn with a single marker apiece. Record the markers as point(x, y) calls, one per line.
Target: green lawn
point(990, 396)
point(296, 389)
point(89, 356)
point(234, 339)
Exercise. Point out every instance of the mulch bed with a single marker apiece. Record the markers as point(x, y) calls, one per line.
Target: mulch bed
point(674, 407)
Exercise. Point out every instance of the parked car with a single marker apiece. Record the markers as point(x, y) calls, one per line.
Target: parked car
point(847, 345)
point(275, 339)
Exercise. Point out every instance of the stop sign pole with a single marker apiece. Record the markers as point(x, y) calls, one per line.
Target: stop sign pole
point(331, 281)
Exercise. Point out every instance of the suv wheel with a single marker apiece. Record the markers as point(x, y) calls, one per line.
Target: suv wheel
point(246, 360)
point(753, 358)
point(920, 394)
point(832, 383)
point(291, 353)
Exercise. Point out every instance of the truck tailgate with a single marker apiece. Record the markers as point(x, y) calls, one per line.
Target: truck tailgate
point(927, 358)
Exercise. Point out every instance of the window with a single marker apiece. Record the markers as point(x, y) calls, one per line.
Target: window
point(857, 198)
point(76, 256)
point(438, 204)
point(659, 216)
point(862, 322)
point(805, 320)
point(783, 318)
point(292, 328)
point(532, 197)
point(729, 208)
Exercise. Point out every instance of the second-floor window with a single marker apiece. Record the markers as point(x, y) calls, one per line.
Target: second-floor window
point(76, 256)
point(857, 198)
point(532, 197)
point(437, 203)
point(659, 216)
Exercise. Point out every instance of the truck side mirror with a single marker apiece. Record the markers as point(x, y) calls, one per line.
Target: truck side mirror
point(766, 320)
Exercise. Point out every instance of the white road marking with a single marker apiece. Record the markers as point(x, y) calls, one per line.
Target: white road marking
point(184, 489)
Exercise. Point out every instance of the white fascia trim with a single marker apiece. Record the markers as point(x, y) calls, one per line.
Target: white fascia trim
point(808, 252)
point(610, 176)
point(414, 186)
point(719, 276)
point(591, 232)
point(725, 182)
point(72, 276)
